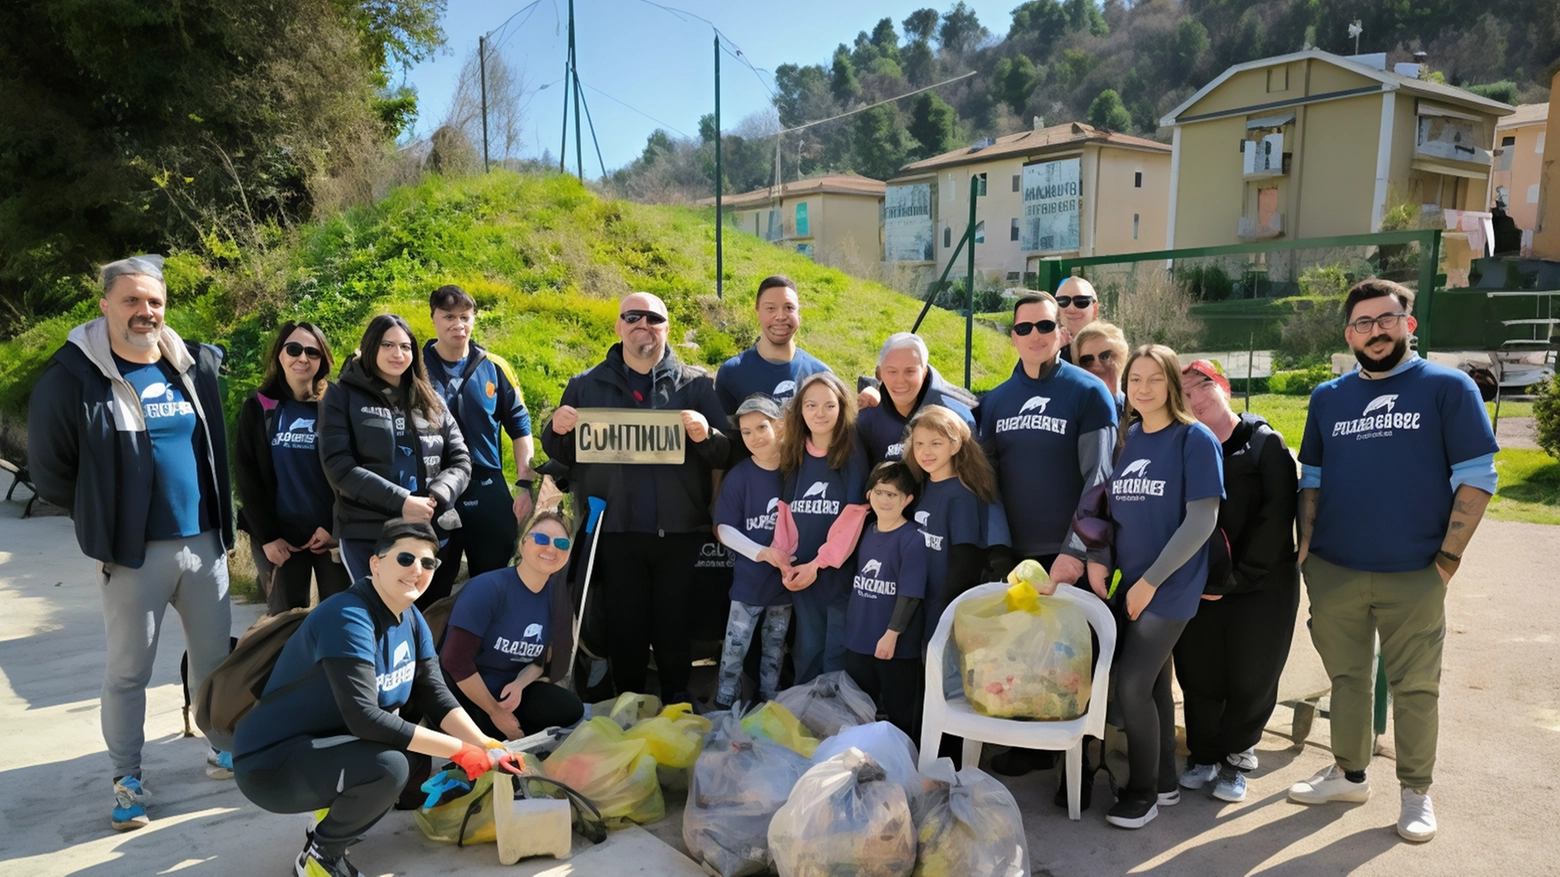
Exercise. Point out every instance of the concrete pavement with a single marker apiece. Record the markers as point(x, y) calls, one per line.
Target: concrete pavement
point(1496, 793)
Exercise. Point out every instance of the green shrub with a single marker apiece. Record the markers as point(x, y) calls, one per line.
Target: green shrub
point(1546, 415)
point(1206, 281)
point(1299, 382)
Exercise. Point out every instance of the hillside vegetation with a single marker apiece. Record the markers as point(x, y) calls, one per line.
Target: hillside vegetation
point(545, 260)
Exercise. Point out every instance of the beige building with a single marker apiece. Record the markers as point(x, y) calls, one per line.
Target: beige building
point(1067, 190)
point(1325, 145)
point(835, 219)
point(1519, 157)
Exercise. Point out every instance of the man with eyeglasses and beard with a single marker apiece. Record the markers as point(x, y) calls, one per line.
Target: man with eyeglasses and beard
point(657, 515)
point(1048, 431)
point(1077, 305)
point(1397, 467)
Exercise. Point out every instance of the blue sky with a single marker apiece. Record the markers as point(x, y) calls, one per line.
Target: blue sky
point(635, 54)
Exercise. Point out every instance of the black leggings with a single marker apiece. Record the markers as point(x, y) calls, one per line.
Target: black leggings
point(358, 780)
point(1146, 704)
point(543, 705)
point(895, 685)
point(486, 535)
point(290, 581)
point(645, 584)
point(1228, 663)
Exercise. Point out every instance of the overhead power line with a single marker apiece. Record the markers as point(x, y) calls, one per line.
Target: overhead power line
point(878, 104)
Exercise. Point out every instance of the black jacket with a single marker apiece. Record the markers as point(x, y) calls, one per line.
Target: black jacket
point(681, 494)
point(254, 470)
point(357, 447)
point(89, 450)
point(1258, 511)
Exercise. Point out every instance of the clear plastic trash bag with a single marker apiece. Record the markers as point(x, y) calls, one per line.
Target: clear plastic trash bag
point(616, 772)
point(893, 751)
point(1023, 655)
point(968, 825)
point(739, 781)
point(828, 703)
point(845, 818)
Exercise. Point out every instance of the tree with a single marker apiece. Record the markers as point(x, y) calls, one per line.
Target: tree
point(880, 143)
point(505, 96)
point(659, 143)
point(886, 40)
point(933, 125)
point(961, 30)
point(920, 25)
point(1084, 15)
point(803, 94)
point(1013, 80)
point(1041, 18)
point(1191, 42)
point(842, 81)
point(919, 64)
point(1107, 112)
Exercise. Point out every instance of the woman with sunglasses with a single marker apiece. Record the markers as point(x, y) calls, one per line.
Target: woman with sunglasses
point(1077, 306)
point(326, 732)
point(1099, 349)
point(506, 628)
point(281, 484)
point(389, 444)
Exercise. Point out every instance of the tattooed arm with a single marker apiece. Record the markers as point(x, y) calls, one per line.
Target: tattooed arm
point(1307, 518)
point(1467, 510)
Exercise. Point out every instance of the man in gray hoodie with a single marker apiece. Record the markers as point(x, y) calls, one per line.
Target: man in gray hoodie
point(125, 432)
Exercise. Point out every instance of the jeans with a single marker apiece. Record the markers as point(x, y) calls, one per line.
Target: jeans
point(741, 624)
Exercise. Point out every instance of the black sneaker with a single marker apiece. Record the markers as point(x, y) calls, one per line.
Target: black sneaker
point(1018, 762)
point(1134, 810)
point(313, 862)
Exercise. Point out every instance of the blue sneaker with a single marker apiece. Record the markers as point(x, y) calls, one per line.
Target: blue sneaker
point(219, 764)
point(1231, 785)
point(130, 800)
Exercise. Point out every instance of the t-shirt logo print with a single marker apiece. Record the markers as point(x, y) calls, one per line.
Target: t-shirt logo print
point(157, 393)
point(1031, 416)
point(819, 489)
point(1380, 418)
point(922, 518)
point(1035, 403)
point(774, 502)
point(403, 653)
point(783, 389)
point(1387, 401)
point(1136, 467)
point(532, 630)
point(302, 424)
point(815, 501)
point(871, 566)
point(1132, 482)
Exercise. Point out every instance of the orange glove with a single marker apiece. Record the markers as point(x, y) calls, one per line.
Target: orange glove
point(476, 761)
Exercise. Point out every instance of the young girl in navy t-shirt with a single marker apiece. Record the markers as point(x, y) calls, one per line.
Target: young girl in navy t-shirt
point(883, 620)
point(959, 513)
point(745, 523)
point(1164, 499)
point(821, 509)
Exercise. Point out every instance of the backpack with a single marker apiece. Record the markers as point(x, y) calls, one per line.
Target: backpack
point(233, 689)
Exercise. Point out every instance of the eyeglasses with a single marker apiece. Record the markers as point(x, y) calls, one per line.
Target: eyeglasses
point(886, 495)
point(651, 317)
point(388, 346)
point(1386, 321)
point(1046, 327)
point(1078, 301)
point(294, 349)
point(1104, 356)
point(559, 542)
point(406, 558)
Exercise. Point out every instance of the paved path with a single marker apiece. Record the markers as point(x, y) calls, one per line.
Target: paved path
point(1496, 795)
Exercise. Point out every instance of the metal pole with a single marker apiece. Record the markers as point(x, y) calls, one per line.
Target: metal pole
point(482, 71)
point(563, 148)
point(1251, 354)
point(969, 285)
point(719, 276)
point(574, 65)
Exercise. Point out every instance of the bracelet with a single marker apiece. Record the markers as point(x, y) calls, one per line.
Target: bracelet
point(1454, 558)
point(525, 483)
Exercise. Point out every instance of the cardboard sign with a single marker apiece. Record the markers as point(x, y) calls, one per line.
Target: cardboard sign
point(629, 435)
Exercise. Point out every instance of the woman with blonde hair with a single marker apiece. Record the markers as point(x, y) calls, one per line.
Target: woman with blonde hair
point(1100, 348)
point(823, 502)
point(1164, 500)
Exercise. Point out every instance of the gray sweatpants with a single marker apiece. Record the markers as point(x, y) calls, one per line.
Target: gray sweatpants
point(191, 575)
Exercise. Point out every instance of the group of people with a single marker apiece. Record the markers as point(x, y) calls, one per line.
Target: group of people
point(856, 517)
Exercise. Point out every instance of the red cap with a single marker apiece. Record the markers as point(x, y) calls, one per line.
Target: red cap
point(1208, 370)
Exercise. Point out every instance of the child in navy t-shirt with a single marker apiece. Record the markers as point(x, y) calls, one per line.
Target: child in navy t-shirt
point(883, 620)
point(745, 516)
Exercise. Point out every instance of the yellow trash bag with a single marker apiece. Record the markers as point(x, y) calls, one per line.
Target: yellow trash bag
point(468, 819)
point(628, 709)
point(615, 772)
point(774, 722)
point(1023, 655)
point(674, 737)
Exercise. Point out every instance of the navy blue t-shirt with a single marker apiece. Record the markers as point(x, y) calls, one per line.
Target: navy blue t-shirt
point(747, 373)
point(888, 565)
point(354, 624)
point(486, 404)
point(947, 514)
point(179, 506)
point(1398, 438)
point(882, 430)
point(1030, 431)
point(1157, 474)
point(514, 624)
point(748, 503)
point(820, 494)
point(303, 497)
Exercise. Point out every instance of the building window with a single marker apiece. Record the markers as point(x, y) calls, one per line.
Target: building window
point(1013, 230)
point(1508, 145)
point(1137, 180)
point(980, 186)
point(1278, 78)
point(802, 226)
point(1015, 182)
point(1538, 146)
point(947, 236)
point(1134, 226)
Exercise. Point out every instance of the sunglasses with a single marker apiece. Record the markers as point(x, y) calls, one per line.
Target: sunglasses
point(1046, 327)
point(406, 558)
point(294, 349)
point(651, 317)
point(561, 543)
point(1078, 301)
point(1105, 357)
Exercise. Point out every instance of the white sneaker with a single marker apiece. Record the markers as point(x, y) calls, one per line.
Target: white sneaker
point(1198, 775)
point(1246, 761)
point(1231, 785)
point(1416, 819)
point(1329, 784)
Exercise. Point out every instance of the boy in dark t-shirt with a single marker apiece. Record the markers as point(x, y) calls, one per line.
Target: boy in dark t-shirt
point(884, 620)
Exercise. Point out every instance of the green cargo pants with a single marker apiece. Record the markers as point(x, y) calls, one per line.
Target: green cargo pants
point(1408, 609)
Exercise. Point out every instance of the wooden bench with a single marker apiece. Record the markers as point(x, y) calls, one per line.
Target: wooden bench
point(19, 475)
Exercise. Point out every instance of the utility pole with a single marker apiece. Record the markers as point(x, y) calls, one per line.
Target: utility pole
point(969, 284)
point(579, 142)
point(563, 148)
point(482, 68)
point(719, 276)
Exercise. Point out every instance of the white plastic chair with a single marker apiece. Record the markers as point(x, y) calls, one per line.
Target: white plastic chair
point(945, 715)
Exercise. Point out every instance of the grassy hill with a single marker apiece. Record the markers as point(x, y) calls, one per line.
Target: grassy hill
point(546, 261)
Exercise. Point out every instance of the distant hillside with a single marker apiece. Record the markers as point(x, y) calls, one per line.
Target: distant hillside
point(545, 259)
